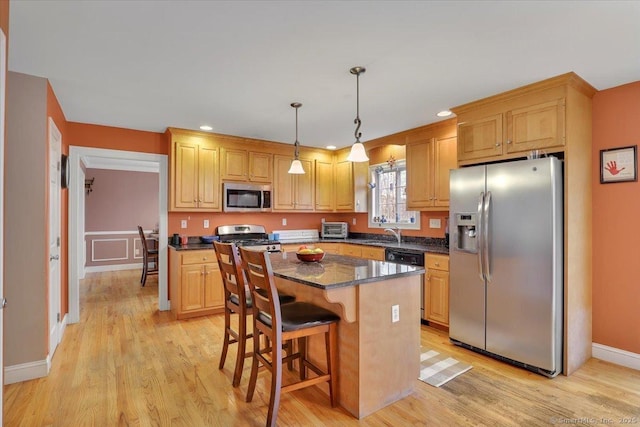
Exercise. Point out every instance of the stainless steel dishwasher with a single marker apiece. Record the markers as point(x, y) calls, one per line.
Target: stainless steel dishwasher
point(408, 257)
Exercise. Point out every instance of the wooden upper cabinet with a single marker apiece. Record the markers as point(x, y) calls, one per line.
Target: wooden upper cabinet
point(431, 154)
point(536, 127)
point(244, 165)
point(480, 138)
point(292, 192)
point(194, 174)
point(344, 186)
point(325, 200)
point(509, 125)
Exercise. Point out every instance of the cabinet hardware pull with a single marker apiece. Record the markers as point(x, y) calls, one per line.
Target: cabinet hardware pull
point(497, 144)
point(508, 141)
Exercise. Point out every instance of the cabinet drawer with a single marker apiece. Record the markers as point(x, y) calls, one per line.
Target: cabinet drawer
point(372, 252)
point(198, 257)
point(351, 250)
point(437, 262)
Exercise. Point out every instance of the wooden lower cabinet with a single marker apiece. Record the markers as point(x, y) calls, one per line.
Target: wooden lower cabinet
point(351, 250)
point(373, 252)
point(195, 283)
point(436, 289)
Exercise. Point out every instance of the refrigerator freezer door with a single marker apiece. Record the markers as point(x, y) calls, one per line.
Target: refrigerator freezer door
point(466, 288)
point(523, 298)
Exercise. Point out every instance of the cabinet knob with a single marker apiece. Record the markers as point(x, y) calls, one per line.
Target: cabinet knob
point(204, 258)
point(498, 144)
point(508, 141)
point(437, 264)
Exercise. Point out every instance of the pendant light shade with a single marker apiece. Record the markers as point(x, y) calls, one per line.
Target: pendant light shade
point(296, 166)
point(358, 153)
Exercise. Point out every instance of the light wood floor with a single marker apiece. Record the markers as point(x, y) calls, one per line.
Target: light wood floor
point(126, 364)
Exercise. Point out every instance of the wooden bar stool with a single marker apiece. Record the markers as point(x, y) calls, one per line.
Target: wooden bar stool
point(282, 323)
point(237, 301)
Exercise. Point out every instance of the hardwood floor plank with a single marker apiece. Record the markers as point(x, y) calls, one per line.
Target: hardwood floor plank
point(128, 364)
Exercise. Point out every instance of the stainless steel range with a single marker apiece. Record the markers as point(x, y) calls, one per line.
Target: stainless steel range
point(246, 235)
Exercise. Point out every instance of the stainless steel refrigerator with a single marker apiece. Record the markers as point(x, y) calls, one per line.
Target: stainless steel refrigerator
point(506, 262)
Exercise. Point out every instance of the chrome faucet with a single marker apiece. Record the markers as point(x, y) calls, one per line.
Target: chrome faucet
point(395, 233)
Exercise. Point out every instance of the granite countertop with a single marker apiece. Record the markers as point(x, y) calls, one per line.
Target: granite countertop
point(337, 271)
point(196, 244)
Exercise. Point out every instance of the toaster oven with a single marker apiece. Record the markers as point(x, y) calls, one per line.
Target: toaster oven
point(334, 230)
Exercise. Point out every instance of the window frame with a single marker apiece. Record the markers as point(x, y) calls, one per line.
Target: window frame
point(374, 189)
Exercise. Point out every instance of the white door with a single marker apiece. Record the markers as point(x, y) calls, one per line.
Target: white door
point(54, 237)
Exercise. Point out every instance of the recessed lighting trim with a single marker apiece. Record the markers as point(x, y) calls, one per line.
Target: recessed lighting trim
point(331, 147)
point(205, 127)
point(444, 113)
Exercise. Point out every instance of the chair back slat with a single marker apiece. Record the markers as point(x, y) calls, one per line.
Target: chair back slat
point(231, 269)
point(259, 275)
point(143, 239)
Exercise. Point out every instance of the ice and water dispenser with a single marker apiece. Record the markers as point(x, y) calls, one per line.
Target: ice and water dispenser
point(465, 237)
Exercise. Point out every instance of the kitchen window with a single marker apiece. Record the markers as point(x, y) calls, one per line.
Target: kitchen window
point(388, 197)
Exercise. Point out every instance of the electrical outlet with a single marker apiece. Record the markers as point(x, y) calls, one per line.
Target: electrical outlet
point(353, 221)
point(183, 223)
point(206, 223)
point(434, 223)
point(322, 220)
point(395, 313)
point(284, 221)
point(137, 252)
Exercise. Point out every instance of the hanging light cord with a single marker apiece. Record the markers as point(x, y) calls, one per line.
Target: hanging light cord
point(357, 121)
point(297, 143)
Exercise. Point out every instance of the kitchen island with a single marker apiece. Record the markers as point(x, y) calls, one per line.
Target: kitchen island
point(378, 355)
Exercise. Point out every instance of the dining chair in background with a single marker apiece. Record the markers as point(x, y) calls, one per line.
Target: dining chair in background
point(149, 258)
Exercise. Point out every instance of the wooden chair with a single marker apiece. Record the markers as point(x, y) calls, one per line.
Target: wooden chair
point(281, 323)
point(237, 301)
point(149, 256)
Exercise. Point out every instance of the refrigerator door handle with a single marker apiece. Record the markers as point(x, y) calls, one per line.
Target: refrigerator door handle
point(485, 237)
point(479, 236)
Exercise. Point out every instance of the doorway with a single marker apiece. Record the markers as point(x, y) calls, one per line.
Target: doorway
point(79, 157)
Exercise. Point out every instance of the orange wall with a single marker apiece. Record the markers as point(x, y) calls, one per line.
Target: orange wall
point(112, 138)
point(616, 235)
point(295, 221)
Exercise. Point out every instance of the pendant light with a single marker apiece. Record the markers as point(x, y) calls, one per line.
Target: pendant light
point(358, 153)
point(296, 166)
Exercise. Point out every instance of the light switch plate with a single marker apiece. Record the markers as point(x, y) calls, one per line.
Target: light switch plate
point(434, 223)
point(353, 221)
point(284, 221)
point(183, 223)
point(206, 223)
point(395, 313)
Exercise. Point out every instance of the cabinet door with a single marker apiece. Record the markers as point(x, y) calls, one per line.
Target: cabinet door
point(437, 296)
point(185, 183)
point(192, 287)
point(344, 186)
point(330, 248)
point(420, 174)
point(260, 167)
point(213, 286)
point(208, 178)
point(480, 138)
point(283, 184)
point(233, 164)
point(324, 186)
point(445, 159)
point(536, 127)
point(303, 196)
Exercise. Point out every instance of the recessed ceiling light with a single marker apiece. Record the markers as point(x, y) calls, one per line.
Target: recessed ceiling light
point(331, 147)
point(205, 127)
point(444, 113)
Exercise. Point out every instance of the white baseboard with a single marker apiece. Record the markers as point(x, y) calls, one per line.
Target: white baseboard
point(116, 267)
point(32, 370)
point(26, 371)
point(615, 355)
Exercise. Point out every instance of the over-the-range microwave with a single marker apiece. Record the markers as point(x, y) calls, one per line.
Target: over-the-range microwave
point(334, 230)
point(246, 197)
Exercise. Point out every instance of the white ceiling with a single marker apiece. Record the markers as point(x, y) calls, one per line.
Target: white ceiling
point(237, 65)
